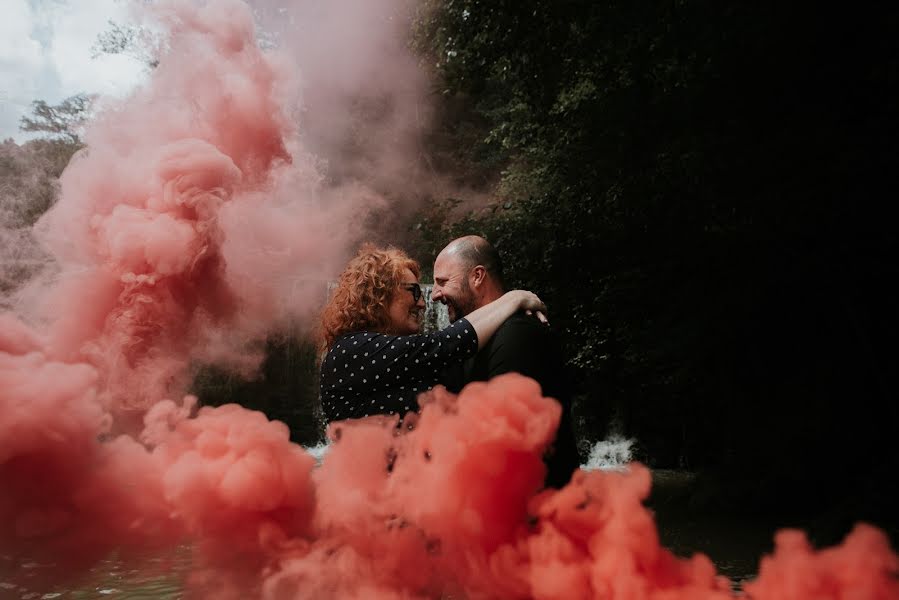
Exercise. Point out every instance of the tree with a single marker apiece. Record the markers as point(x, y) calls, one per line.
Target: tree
point(135, 41)
point(62, 121)
point(29, 185)
point(699, 188)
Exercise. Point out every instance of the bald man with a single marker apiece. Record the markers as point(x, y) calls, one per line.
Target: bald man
point(468, 274)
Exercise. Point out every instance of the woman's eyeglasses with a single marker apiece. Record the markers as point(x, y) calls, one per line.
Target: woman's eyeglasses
point(415, 289)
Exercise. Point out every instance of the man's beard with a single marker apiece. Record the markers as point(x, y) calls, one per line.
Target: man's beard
point(462, 306)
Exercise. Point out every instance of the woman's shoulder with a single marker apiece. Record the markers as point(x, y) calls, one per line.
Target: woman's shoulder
point(348, 342)
point(460, 334)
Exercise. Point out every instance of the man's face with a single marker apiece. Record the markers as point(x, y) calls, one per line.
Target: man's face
point(451, 287)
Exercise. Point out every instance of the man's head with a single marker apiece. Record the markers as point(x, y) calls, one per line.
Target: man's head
point(467, 275)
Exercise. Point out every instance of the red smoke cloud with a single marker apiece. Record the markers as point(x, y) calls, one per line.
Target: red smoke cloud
point(193, 223)
point(450, 509)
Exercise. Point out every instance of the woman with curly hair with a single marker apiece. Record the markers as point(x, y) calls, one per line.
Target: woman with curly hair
point(376, 361)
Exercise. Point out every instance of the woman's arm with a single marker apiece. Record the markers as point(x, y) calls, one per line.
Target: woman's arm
point(419, 356)
point(487, 319)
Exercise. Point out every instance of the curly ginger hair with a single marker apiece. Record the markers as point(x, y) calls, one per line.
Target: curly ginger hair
point(361, 299)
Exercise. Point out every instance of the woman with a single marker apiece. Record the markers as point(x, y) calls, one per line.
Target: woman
point(376, 361)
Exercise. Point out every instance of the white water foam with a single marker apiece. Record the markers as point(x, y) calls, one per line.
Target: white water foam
point(318, 452)
point(612, 454)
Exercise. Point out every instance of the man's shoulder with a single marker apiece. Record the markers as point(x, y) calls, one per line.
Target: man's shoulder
point(521, 325)
point(520, 333)
point(524, 345)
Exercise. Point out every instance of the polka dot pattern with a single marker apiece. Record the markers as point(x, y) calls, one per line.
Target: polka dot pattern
point(369, 373)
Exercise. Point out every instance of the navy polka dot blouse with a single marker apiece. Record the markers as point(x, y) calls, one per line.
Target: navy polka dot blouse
point(369, 373)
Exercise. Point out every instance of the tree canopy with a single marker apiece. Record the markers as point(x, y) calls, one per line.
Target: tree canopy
point(61, 121)
point(699, 191)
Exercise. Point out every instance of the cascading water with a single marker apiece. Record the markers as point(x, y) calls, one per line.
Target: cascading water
point(610, 454)
point(436, 316)
point(613, 452)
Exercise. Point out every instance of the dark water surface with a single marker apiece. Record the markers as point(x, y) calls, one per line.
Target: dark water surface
point(734, 545)
point(157, 578)
point(736, 542)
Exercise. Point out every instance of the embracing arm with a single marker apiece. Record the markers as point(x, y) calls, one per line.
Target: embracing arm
point(420, 356)
point(487, 319)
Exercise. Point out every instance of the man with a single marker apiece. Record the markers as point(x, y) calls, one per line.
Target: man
point(467, 275)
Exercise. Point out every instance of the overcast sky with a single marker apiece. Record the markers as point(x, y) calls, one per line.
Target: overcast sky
point(45, 54)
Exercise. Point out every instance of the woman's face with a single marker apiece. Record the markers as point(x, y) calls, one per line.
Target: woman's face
point(404, 311)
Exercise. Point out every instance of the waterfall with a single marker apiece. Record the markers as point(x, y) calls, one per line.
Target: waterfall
point(610, 454)
point(436, 316)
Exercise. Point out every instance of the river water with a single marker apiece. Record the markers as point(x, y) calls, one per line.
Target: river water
point(734, 545)
point(158, 578)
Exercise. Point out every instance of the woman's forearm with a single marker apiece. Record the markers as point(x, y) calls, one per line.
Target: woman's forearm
point(487, 319)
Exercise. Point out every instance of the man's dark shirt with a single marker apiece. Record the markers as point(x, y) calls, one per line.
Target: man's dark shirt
point(523, 344)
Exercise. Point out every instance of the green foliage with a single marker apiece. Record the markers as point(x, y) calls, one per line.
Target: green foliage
point(29, 186)
point(685, 183)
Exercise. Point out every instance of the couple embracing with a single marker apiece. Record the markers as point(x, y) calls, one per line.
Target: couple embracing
point(376, 361)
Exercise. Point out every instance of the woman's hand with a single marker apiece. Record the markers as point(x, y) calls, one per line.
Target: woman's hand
point(487, 319)
point(530, 303)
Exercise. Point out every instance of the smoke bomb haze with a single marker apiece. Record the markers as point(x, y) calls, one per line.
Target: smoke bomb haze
point(206, 212)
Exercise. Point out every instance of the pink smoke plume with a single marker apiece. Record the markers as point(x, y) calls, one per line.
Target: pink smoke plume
point(196, 222)
point(193, 224)
point(452, 509)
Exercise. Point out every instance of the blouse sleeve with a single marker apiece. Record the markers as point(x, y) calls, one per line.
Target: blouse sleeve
point(381, 360)
point(426, 355)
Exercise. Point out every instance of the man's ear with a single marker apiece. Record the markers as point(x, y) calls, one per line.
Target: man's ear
point(477, 276)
